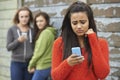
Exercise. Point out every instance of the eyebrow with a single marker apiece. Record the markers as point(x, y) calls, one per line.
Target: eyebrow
point(82, 20)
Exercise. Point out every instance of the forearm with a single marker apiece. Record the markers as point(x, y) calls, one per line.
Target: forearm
point(12, 45)
point(100, 63)
point(61, 71)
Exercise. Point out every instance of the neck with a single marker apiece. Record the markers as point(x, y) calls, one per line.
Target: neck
point(21, 25)
point(81, 41)
point(23, 28)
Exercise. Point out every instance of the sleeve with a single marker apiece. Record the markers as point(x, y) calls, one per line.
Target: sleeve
point(40, 48)
point(60, 68)
point(11, 42)
point(100, 56)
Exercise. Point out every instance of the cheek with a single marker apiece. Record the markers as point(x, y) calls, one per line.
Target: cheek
point(37, 23)
point(86, 26)
point(40, 24)
point(28, 18)
point(73, 28)
point(43, 23)
point(19, 18)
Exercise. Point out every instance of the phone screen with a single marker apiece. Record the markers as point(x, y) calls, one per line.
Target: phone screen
point(76, 50)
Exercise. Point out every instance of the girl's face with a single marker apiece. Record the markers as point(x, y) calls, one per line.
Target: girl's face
point(79, 23)
point(40, 22)
point(24, 17)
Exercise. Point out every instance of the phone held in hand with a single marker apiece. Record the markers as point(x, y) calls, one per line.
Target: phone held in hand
point(76, 50)
point(24, 34)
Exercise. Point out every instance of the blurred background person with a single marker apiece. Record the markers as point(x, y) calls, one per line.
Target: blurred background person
point(19, 41)
point(40, 63)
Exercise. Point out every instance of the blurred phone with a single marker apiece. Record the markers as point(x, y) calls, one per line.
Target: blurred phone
point(24, 34)
point(76, 50)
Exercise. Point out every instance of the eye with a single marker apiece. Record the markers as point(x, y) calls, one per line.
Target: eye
point(37, 20)
point(26, 16)
point(74, 22)
point(21, 16)
point(83, 21)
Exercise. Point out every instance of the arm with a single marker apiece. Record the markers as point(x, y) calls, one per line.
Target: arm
point(100, 56)
point(11, 42)
point(60, 68)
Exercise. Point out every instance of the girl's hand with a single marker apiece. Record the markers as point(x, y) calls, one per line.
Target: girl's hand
point(22, 39)
point(90, 31)
point(74, 59)
point(31, 70)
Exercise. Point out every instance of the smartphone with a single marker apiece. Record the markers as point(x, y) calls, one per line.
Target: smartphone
point(76, 50)
point(24, 34)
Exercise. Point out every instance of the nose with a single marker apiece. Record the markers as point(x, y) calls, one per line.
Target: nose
point(38, 22)
point(79, 25)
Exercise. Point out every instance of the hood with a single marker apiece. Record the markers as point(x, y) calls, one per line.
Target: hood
point(53, 30)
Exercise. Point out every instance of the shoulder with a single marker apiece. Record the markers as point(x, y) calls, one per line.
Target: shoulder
point(101, 40)
point(12, 28)
point(48, 31)
point(45, 31)
point(45, 34)
point(58, 41)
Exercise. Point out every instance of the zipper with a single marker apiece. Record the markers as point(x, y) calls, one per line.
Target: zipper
point(24, 53)
point(24, 50)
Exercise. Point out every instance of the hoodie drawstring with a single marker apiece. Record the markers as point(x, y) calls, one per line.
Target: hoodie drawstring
point(30, 35)
point(18, 32)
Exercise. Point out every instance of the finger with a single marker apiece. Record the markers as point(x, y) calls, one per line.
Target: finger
point(75, 59)
point(74, 55)
point(81, 60)
point(29, 70)
point(76, 62)
point(90, 29)
point(78, 59)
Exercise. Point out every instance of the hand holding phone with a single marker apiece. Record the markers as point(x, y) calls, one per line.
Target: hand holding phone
point(24, 34)
point(76, 50)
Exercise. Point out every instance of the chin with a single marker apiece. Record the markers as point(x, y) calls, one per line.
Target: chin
point(40, 28)
point(24, 23)
point(80, 35)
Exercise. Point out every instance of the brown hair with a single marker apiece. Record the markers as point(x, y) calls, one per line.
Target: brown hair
point(36, 29)
point(16, 17)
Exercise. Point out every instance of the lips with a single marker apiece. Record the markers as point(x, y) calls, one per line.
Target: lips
point(80, 31)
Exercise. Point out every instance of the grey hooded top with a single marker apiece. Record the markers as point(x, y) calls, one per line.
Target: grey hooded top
point(21, 51)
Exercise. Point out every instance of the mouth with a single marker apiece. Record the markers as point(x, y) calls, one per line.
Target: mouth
point(80, 31)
